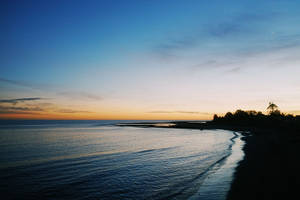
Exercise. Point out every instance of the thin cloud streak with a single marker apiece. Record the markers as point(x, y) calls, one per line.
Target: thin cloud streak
point(25, 84)
point(15, 101)
point(177, 44)
point(244, 24)
point(80, 95)
point(21, 110)
point(179, 112)
point(38, 109)
point(18, 112)
point(234, 70)
point(14, 108)
point(72, 111)
point(239, 25)
point(8, 106)
point(286, 48)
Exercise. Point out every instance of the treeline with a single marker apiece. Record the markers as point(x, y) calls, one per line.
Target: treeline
point(275, 119)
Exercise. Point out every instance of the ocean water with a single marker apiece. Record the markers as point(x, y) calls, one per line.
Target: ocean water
point(98, 160)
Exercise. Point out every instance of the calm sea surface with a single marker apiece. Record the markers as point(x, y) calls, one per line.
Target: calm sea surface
point(97, 160)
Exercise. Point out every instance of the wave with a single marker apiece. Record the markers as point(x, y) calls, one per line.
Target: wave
point(218, 180)
point(111, 163)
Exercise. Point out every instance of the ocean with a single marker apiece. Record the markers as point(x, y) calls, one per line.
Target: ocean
point(99, 160)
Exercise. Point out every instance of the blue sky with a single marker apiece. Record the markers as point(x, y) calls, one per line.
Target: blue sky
point(149, 59)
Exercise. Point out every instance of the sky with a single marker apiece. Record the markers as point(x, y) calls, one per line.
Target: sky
point(140, 59)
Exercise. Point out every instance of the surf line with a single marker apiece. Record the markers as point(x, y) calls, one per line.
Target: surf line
point(219, 177)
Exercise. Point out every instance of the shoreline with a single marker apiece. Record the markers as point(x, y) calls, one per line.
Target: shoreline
point(269, 169)
point(271, 162)
point(218, 183)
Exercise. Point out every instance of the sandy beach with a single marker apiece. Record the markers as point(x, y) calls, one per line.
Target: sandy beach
point(270, 168)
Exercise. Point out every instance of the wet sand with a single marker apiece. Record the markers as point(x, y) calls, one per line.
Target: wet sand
point(270, 168)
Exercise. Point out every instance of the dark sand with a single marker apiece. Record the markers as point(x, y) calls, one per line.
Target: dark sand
point(270, 168)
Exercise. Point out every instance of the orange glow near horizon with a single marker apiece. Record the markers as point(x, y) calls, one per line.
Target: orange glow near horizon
point(106, 117)
point(110, 116)
point(60, 109)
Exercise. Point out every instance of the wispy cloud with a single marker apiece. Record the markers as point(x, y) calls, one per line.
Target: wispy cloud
point(243, 24)
point(69, 94)
point(35, 108)
point(273, 52)
point(24, 84)
point(225, 29)
point(20, 109)
point(21, 106)
point(277, 43)
point(15, 101)
point(210, 64)
point(179, 112)
point(177, 44)
point(66, 110)
point(18, 112)
point(80, 95)
point(238, 25)
point(234, 70)
point(15, 108)
point(168, 49)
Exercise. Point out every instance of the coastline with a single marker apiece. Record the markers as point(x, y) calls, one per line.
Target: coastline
point(269, 169)
point(217, 184)
point(219, 179)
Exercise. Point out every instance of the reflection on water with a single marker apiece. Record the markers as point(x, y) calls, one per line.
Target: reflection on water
point(158, 124)
point(218, 181)
point(108, 162)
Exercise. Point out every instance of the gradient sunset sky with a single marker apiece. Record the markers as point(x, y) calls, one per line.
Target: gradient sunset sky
point(147, 59)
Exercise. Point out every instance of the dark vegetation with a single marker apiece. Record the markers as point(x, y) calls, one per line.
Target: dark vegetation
point(270, 168)
point(255, 121)
point(252, 122)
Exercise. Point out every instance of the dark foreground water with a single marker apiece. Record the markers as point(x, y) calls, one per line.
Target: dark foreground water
point(97, 160)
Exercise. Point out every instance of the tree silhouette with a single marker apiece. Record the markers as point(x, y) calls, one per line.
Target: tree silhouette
point(272, 107)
